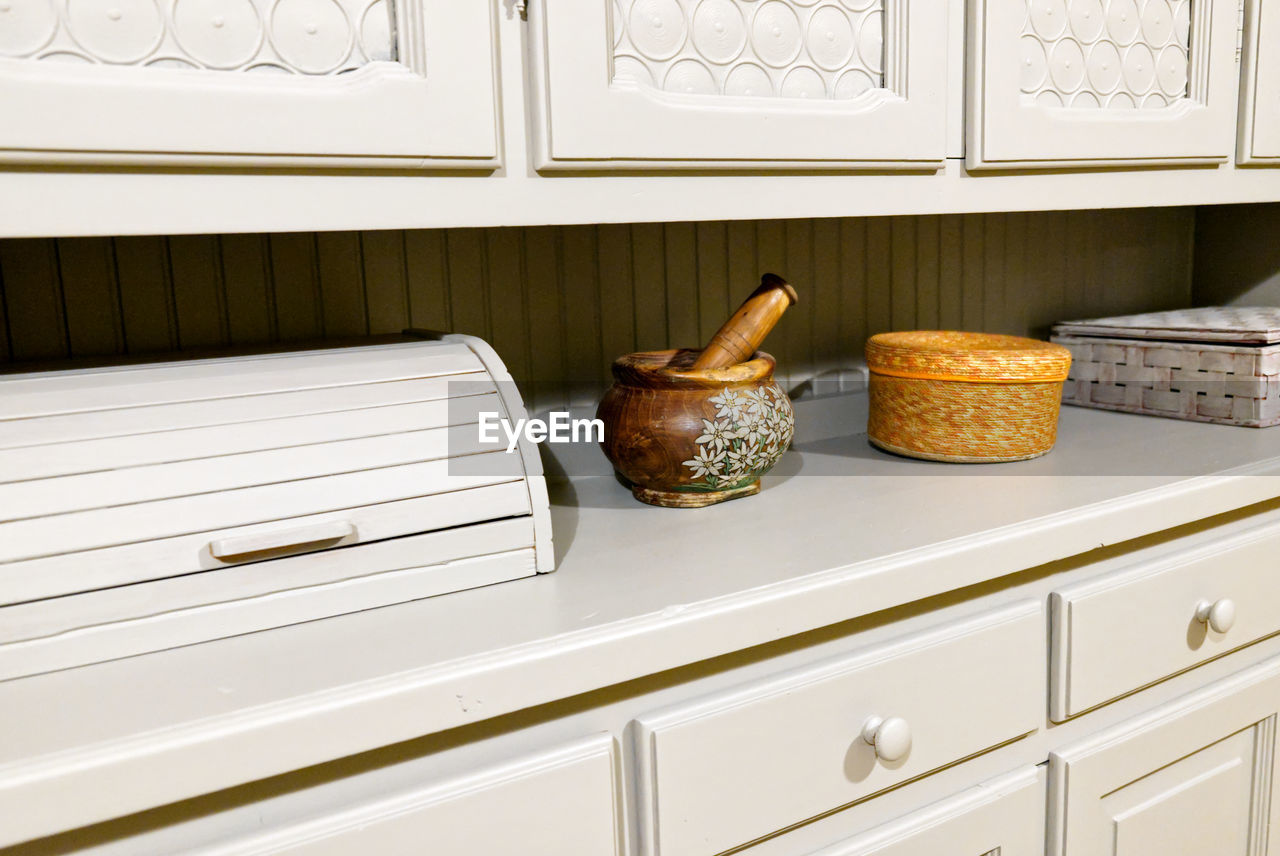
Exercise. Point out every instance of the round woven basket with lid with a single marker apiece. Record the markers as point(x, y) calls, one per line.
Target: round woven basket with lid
point(964, 397)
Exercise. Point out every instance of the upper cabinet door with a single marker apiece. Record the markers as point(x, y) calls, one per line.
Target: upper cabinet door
point(1083, 83)
point(371, 83)
point(688, 84)
point(1260, 104)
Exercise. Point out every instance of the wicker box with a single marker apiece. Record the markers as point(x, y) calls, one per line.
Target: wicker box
point(964, 397)
point(1215, 364)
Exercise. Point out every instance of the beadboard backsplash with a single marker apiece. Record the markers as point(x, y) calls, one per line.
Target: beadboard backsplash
point(559, 303)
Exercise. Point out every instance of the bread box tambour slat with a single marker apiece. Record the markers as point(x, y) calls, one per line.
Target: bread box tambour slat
point(148, 506)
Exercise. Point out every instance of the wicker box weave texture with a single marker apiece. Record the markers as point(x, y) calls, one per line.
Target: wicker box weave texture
point(964, 397)
point(1213, 364)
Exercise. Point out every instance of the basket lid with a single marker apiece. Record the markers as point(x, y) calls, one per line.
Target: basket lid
point(952, 355)
point(1252, 325)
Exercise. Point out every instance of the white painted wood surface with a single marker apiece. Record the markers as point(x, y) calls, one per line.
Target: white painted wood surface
point(1193, 776)
point(435, 105)
point(89, 203)
point(227, 708)
point(1004, 816)
point(562, 802)
point(50, 617)
point(1016, 50)
point(1259, 139)
point(200, 617)
point(115, 566)
point(251, 498)
point(103, 202)
point(1150, 612)
point(788, 749)
point(632, 110)
point(112, 435)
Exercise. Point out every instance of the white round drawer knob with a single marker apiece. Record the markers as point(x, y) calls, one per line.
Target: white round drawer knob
point(1220, 615)
point(891, 737)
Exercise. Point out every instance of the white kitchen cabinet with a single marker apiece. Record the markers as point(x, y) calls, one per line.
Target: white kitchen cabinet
point(311, 83)
point(1260, 85)
point(649, 84)
point(1080, 83)
point(1167, 615)
point(562, 802)
point(746, 763)
point(1004, 816)
point(1192, 777)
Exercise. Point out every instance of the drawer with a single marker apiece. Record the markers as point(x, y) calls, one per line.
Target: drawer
point(565, 802)
point(739, 765)
point(1003, 816)
point(1156, 614)
point(1192, 777)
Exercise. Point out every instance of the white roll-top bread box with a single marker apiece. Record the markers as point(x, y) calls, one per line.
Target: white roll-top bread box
point(149, 506)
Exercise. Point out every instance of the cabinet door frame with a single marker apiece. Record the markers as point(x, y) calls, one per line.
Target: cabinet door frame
point(585, 121)
point(1082, 773)
point(1005, 132)
point(435, 107)
point(1259, 143)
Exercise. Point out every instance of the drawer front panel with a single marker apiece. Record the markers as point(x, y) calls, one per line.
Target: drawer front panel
point(1150, 613)
point(747, 763)
point(1194, 776)
point(1004, 816)
point(561, 803)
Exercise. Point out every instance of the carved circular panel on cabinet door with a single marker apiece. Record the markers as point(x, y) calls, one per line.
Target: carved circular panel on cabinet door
point(794, 49)
point(287, 37)
point(1113, 55)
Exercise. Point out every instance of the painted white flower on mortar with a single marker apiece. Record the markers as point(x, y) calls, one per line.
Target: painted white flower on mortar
point(718, 434)
point(728, 405)
point(757, 403)
point(705, 462)
point(751, 431)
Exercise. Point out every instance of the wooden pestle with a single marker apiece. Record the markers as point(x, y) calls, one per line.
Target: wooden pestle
point(742, 334)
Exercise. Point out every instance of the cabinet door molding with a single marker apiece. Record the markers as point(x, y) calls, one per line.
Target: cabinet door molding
point(1071, 83)
point(187, 86)
point(1148, 785)
point(1260, 85)
point(782, 84)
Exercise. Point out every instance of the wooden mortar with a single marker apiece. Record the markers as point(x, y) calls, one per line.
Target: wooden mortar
point(685, 437)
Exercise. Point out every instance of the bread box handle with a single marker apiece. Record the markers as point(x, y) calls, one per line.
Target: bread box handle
point(278, 539)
